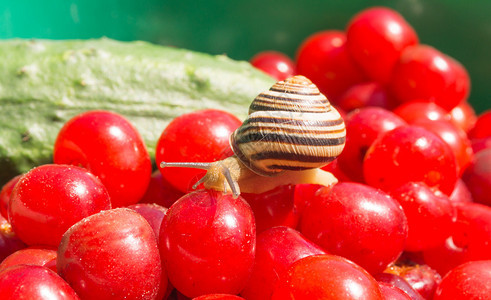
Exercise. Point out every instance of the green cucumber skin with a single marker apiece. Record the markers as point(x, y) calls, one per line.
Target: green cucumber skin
point(45, 83)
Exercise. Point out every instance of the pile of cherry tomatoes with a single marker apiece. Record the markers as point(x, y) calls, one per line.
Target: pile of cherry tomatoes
point(409, 219)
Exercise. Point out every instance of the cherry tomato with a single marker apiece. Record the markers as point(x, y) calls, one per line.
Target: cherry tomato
point(277, 249)
point(273, 208)
point(410, 154)
point(49, 199)
point(416, 110)
point(366, 94)
point(471, 280)
point(363, 126)
point(276, 64)
point(200, 136)
point(477, 177)
point(425, 73)
point(326, 277)
point(390, 292)
point(207, 242)
point(470, 239)
point(160, 191)
point(350, 220)
point(38, 256)
point(111, 148)
point(111, 255)
point(324, 59)
point(464, 116)
point(455, 137)
point(5, 195)
point(33, 282)
point(375, 39)
point(482, 127)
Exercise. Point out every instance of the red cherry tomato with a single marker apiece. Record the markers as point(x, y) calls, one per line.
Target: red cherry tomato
point(277, 249)
point(477, 177)
point(363, 126)
point(111, 255)
point(471, 280)
point(273, 208)
point(393, 293)
point(38, 256)
point(429, 215)
point(350, 220)
point(5, 195)
point(415, 110)
point(200, 136)
point(160, 191)
point(375, 39)
point(470, 239)
point(49, 199)
point(425, 73)
point(33, 282)
point(111, 148)
point(482, 127)
point(324, 59)
point(207, 242)
point(455, 137)
point(410, 154)
point(366, 94)
point(276, 64)
point(464, 116)
point(326, 277)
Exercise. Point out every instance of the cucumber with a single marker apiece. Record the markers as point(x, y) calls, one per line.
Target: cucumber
point(45, 83)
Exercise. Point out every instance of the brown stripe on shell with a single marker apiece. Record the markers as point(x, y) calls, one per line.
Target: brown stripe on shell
point(313, 140)
point(268, 130)
point(279, 121)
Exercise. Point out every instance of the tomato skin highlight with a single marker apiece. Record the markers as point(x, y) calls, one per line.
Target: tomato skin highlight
point(111, 148)
point(208, 243)
point(326, 277)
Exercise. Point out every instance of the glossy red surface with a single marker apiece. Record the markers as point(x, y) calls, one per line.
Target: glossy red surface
point(200, 136)
point(274, 208)
point(5, 195)
point(45, 257)
point(363, 126)
point(111, 148)
point(429, 215)
point(33, 282)
point(425, 73)
point(50, 198)
point(111, 255)
point(468, 281)
point(410, 154)
point(477, 177)
point(208, 242)
point(324, 59)
point(351, 219)
point(276, 64)
point(326, 277)
point(277, 248)
point(376, 38)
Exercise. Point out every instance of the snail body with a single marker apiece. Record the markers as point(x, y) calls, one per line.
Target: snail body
point(291, 131)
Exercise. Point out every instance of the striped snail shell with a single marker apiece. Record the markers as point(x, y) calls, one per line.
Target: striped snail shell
point(292, 126)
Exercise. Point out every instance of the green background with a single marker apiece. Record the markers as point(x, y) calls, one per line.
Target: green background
point(459, 28)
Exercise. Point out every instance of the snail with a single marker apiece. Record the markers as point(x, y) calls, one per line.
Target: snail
point(290, 133)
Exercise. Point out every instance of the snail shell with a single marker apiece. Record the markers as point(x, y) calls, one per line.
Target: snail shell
point(292, 126)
